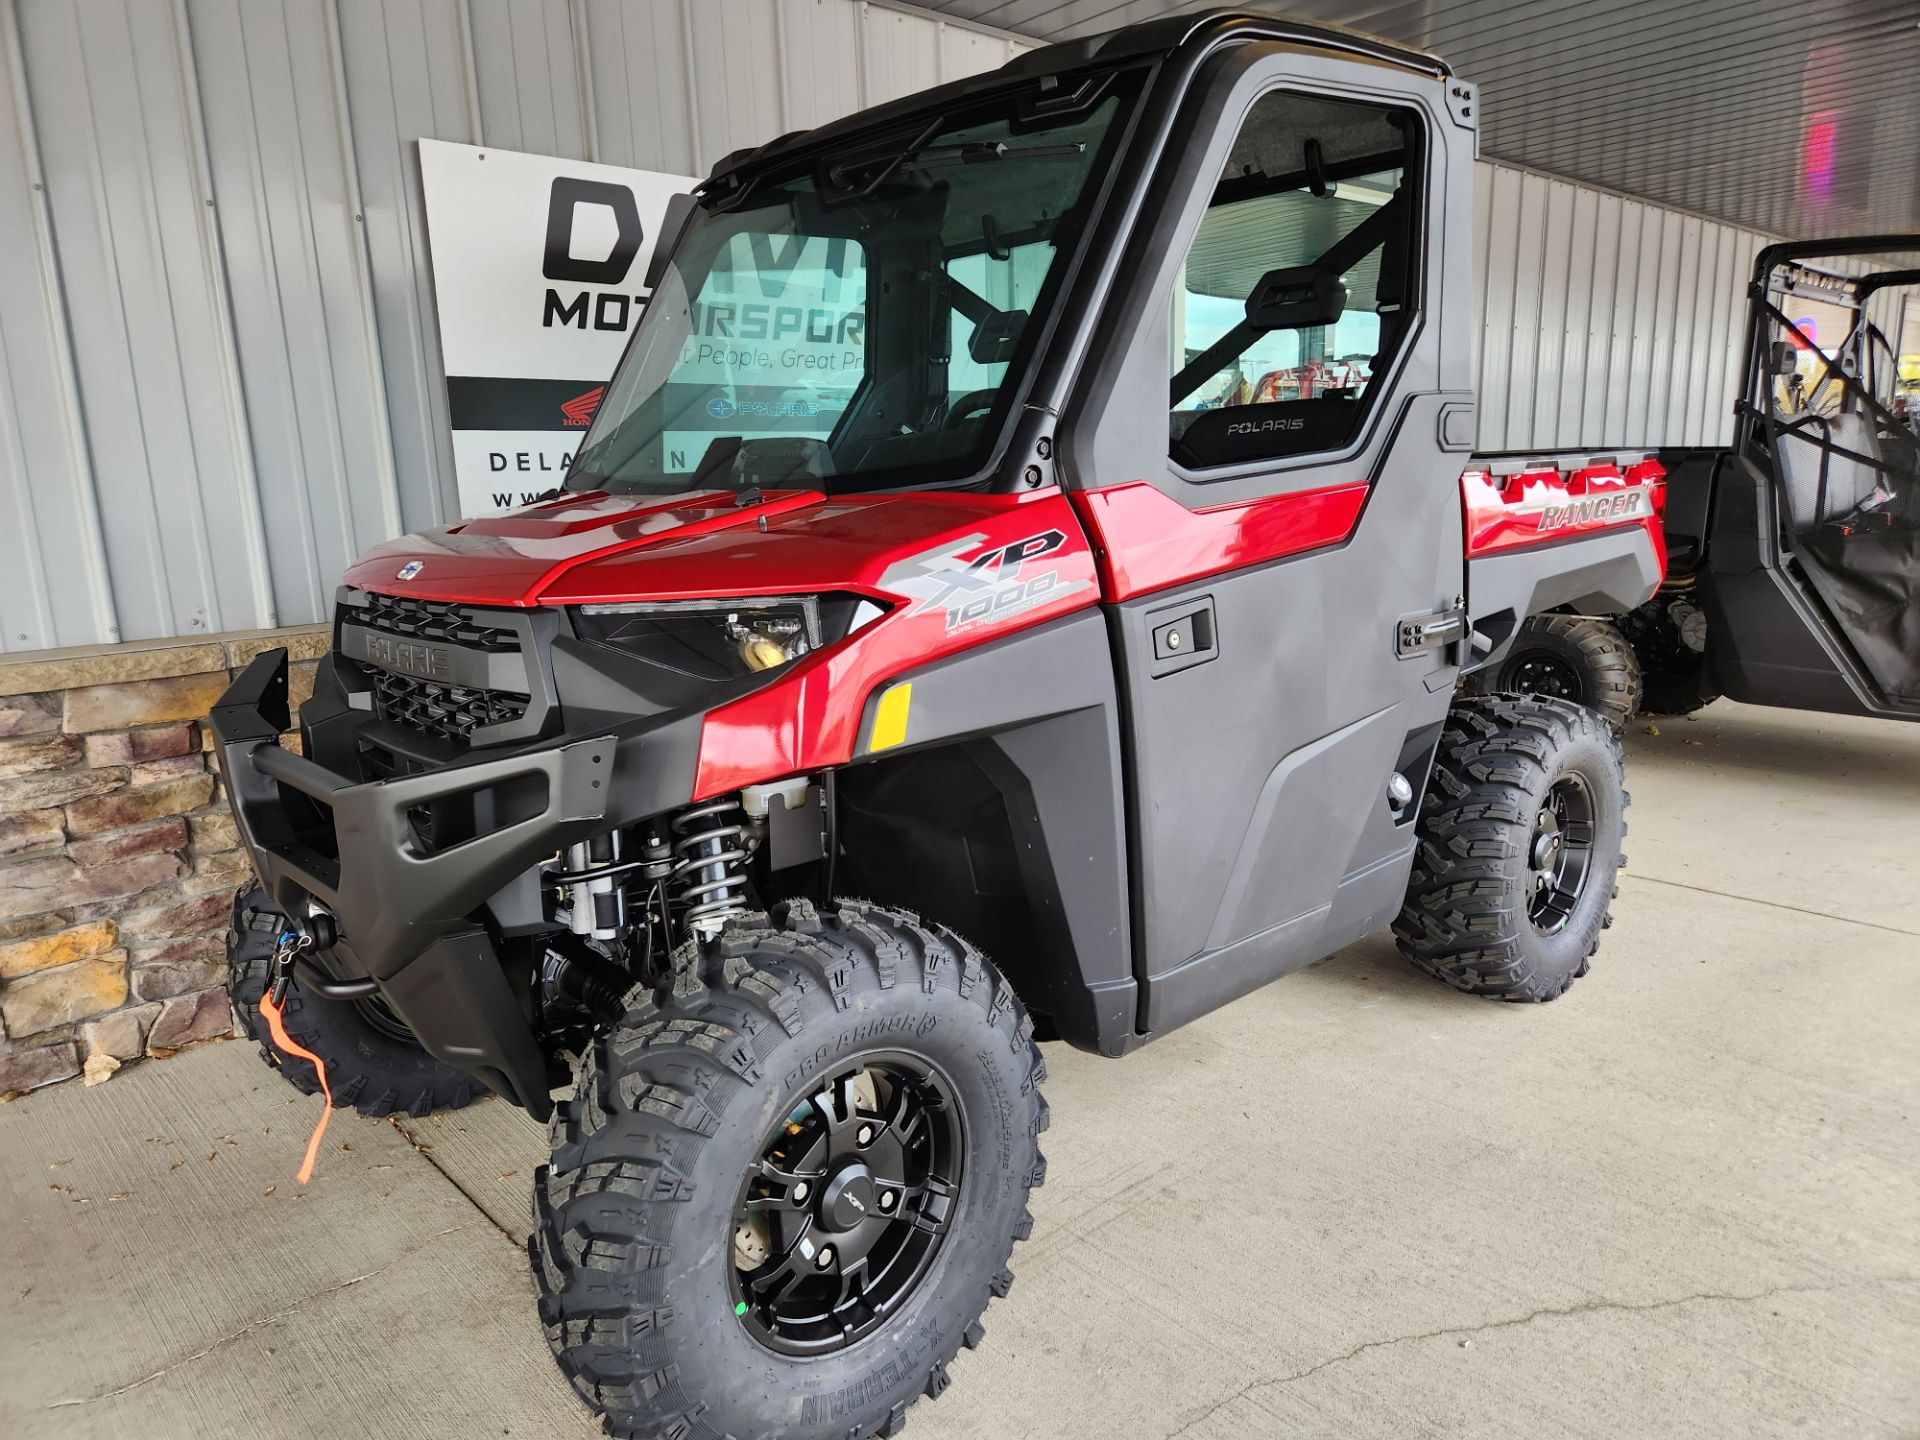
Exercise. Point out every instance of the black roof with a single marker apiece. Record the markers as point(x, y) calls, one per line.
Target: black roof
point(1192, 33)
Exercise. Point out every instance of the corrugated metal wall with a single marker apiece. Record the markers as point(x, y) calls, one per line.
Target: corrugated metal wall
point(219, 374)
point(1605, 321)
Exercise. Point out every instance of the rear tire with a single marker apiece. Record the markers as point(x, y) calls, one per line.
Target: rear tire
point(373, 1064)
point(1568, 657)
point(1495, 904)
point(660, 1169)
point(1668, 636)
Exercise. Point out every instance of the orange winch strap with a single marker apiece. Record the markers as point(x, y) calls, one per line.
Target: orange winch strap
point(285, 1044)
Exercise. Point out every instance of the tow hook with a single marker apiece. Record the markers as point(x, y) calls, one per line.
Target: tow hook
point(292, 942)
point(316, 930)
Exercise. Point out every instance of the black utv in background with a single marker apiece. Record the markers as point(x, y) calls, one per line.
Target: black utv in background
point(1793, 555)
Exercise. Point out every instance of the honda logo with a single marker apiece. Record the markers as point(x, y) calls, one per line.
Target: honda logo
point(579, 410)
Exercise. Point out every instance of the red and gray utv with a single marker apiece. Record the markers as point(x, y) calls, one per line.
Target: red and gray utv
point(1036, 507)
point(1795, 552)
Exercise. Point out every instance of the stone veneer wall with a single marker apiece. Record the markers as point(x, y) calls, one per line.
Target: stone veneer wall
point(118, 858)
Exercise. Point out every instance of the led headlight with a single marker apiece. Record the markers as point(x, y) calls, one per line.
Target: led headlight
point(709, 639)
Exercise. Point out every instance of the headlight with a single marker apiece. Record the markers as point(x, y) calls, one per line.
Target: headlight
point(711, 639)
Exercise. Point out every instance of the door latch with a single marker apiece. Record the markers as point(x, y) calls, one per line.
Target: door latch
point(1435, 630)
point(1182, 636)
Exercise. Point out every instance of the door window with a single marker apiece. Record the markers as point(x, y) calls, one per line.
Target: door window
point(1298, 290)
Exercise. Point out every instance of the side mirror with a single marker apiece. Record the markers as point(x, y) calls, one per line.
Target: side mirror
point(673, 224)
point(1296, 299)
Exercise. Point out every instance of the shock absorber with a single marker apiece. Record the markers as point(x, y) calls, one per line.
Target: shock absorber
point(711, 851)
point(598, 907)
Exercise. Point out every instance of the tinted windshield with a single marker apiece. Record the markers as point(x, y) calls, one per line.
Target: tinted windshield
point(865, 323)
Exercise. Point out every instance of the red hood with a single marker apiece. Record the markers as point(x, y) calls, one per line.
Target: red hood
point(514, 559)
point(600, 547)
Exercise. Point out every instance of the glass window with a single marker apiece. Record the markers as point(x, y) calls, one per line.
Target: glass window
point(991, 300)
point(1298, 289)
point(859, 320)
point(776, 346)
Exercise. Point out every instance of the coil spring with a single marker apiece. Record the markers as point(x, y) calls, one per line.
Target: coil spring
point(712, 853)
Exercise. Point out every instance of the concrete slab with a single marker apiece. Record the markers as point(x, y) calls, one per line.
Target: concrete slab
point(164, 1274)
point(1680, 1201)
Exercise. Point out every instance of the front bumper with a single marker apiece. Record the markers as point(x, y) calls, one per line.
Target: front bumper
point(404, 910)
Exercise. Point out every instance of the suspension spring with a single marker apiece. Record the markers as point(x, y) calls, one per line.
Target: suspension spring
point(711, 856)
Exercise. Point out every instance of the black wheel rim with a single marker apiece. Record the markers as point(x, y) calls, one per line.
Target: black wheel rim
point(1537, 673)
point(381, 1019)
point(1560, 854)
point(847, 1205)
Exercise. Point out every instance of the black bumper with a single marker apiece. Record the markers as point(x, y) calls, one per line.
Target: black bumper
point(403, 912)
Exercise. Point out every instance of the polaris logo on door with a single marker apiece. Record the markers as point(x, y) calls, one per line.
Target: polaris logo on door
point(1265, 427)
point(538, 266)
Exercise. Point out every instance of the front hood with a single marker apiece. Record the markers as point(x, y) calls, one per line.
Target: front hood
point(514, 559)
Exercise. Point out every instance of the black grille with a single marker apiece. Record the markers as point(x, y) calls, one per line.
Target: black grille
point(436, 707)
point(441, 620)
point(451, 711)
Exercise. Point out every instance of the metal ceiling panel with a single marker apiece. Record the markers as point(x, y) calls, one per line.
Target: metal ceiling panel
point(1775, 115)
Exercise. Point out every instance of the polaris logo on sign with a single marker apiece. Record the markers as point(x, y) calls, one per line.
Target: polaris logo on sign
point(538, 271)
point(1606, 508)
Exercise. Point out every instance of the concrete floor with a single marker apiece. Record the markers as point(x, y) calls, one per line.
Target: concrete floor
point(1681, 1201)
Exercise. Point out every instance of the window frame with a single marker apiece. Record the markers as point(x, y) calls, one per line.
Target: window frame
point(1418, 172)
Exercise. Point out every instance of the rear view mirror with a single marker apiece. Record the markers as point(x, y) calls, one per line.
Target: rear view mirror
point(1784, 358)
point(1296, 299)
point(673, 223)
point(996, 337)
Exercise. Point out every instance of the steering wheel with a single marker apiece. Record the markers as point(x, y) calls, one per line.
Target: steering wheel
point(968, 406)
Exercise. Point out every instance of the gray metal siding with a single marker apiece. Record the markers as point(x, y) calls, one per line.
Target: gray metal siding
point(1606, 321)
point(219, 368)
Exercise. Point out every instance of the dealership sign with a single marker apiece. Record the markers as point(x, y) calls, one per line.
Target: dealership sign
point(539, 268)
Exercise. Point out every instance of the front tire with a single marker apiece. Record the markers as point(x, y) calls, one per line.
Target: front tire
point(701, 1268)
point(1568, 657)
point(373, 1062)
point(1519, 848)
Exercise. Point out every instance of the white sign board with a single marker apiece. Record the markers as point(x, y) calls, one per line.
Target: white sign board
point(539, 269)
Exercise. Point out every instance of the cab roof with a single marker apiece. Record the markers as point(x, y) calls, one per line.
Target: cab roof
point(1150, 40)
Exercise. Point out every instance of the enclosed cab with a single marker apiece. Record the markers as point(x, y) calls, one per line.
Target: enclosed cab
point(1042, 507)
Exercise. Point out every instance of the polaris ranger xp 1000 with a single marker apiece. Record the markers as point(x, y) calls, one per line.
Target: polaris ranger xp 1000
point(1036, 507)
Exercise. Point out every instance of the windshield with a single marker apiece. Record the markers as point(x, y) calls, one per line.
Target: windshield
point(864, 324)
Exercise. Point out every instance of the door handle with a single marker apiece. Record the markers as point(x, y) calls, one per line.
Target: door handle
point(1182, 636)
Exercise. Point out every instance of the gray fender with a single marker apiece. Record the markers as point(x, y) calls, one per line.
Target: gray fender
point(1608, 572)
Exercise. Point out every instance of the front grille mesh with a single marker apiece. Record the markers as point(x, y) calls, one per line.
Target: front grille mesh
point(434, 707)
point(449, 711)
point(441, 620)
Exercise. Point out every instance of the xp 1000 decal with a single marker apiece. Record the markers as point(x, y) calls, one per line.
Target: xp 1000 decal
point(977, 589)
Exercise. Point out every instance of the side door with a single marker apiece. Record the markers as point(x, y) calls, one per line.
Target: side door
point(1265, 446)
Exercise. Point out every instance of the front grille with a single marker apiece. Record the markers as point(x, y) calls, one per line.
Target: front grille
point(444, 621)
point(435, 707)
point(449, 711)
